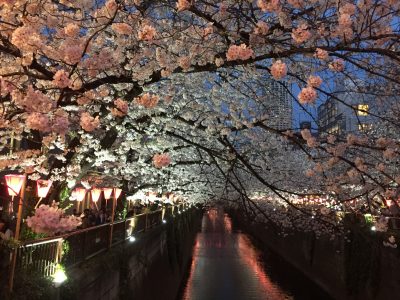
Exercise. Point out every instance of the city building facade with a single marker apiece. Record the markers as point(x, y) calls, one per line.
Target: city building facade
point(349, 112)
point(279, 103)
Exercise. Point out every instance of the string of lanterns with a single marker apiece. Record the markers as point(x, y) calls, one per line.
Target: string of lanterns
point(15, 183)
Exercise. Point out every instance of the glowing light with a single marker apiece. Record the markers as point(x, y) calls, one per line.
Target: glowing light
point(117, 192)
point(14, 183)
point(59, 276)
point(107, 193)
point(95, 194)
point(43, 187)
point(152, 196)
point(389, 202)
point(164, 221)
point(373, 228)
point(132, 239)
point(80, 194)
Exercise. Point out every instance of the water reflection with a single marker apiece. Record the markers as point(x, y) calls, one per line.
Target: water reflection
point(227, 266)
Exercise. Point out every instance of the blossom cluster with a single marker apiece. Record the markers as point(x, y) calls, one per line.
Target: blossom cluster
point(122, 28)
point(182, 5)
point(308, 95)
point(278, 70)
point(88, 123)
point(51, 220)
point(147, 100)
point(242, 52)
point(121, 108)
point(161, 160)
point(147, 33)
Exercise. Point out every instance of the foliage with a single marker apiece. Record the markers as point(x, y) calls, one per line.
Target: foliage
point(64, 194)
point(10, 243)
point(27, 234)
point(65, 248)
point(31, 285)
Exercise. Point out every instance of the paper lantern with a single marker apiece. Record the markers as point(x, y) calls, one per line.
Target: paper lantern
point(117, 192)
point(107, 193)
point(14, 183)
point(43, 187)
point(80, 194)
point(95, 194)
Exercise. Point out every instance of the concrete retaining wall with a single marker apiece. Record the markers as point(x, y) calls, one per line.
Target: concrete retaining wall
point(152, 267)
point(363, 269)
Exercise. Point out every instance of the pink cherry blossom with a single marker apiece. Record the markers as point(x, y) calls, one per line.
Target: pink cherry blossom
point(71, 30)
point(26, 38)
point(61, 122)
point(269, 5)
point(314, 81)
point(61, 79)
point(301, 34)
point(337, 65)
point(122, 28)
point(147, 33)
point(321, 54)
point(278, 70)
point(147, 100)
point(72, 53)
point(182, 5)
point(161, 160)
point(261, 28)
point(185, 62)
point(308, 95)
point(38, 121)
point(241, 52)
point(347, 8)
point(88, 123)
point(121, 108)
point(296, 3)
point(51, 220)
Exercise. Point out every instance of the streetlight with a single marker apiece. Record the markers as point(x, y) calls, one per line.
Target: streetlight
point(15, 185)
point(107, 192)
point(79, 194)
point(95, 192)
point(43, 187)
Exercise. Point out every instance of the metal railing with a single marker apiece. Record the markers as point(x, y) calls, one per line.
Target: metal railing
point(43, 255)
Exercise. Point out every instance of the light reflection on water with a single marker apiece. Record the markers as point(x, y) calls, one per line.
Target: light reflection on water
point(226, 265)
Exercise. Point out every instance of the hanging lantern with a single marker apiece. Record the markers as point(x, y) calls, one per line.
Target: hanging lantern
point(80, 194)
point(117, 192)
point(14, 183)
point(152, 196)
point(43, 187)
point(95, 194)
point(107, 193)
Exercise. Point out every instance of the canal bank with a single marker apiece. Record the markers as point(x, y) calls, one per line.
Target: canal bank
point(360, 270)
point(151, 267)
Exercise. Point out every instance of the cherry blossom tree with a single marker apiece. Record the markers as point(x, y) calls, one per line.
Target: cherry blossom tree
point(166, 94)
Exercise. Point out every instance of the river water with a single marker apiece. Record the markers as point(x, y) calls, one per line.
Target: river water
point(226, 265)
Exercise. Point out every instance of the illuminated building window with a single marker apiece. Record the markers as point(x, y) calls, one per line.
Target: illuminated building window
point(362, 109)
point(364, 127)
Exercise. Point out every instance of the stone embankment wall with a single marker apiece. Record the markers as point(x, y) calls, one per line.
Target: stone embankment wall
point(152, 267)
point(362, 269)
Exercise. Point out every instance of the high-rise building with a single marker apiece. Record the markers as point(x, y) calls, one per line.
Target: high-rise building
point(279, 104)
point(350, 114)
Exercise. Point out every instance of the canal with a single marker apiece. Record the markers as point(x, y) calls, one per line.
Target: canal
point(226, 264)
